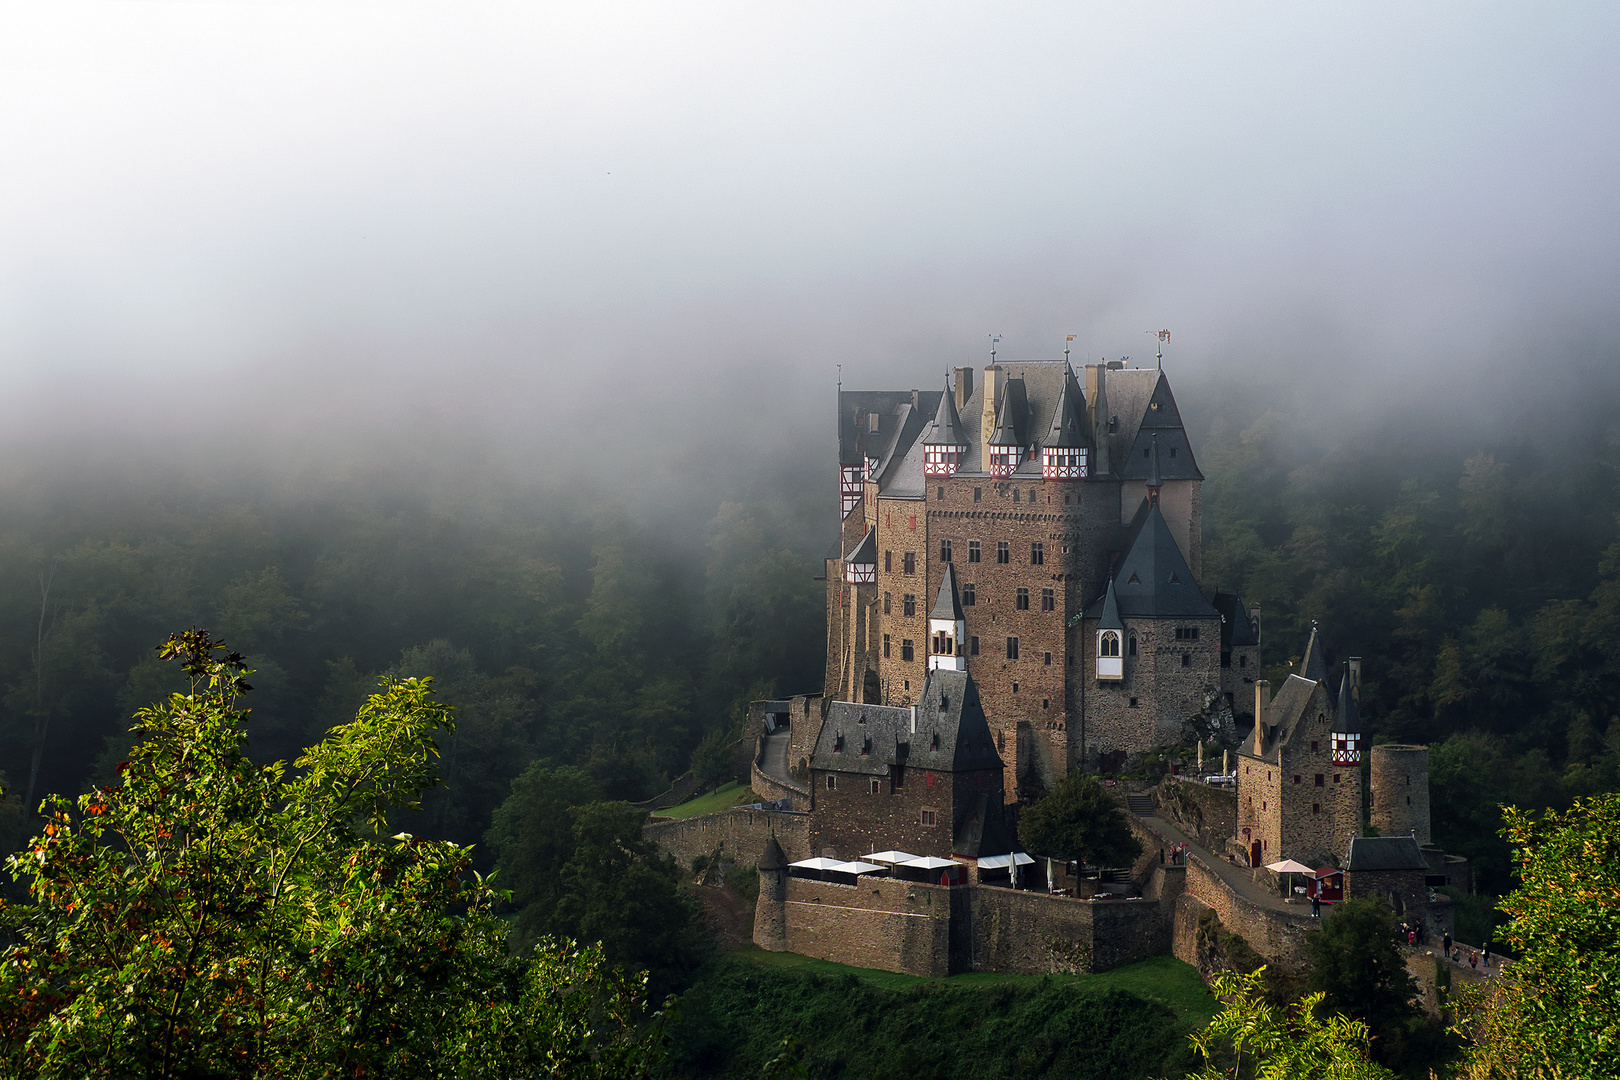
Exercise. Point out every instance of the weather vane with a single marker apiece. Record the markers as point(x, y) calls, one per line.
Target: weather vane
point(995, 339)
point(1164, 336)
point(1066, 347)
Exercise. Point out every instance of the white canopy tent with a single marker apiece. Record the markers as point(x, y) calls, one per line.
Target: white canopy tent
point(1290, 867)
point(1002, 862)
point(889, 857)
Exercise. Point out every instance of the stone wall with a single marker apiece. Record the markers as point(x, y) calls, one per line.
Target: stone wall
point(1165, 694)
point(1039, 934)
point(879, 923)
point(740, 833)
point(1279, 936)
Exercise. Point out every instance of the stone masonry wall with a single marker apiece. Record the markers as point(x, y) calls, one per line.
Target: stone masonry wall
point(1277, 935)
point(740, 833)
point(1166, 693)
point(1038, 934)
point(1207, 814)
point(879, 923)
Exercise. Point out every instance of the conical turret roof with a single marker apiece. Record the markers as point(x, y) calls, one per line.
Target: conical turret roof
point(865, 553)
point(1153, 579)
point(1348, 719)
point(1010, 420)
point(947, 427)
point(1110, 619)
point(947, 604)
point(1069, 417)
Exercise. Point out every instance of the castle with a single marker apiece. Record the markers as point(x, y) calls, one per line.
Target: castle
point(1016, 594)
point(1047, 539)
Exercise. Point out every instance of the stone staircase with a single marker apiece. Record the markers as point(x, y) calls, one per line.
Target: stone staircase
point(1140, 803)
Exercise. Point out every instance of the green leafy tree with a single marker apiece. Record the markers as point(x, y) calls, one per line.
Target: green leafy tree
point(1252, 1039)
point(533, 838)
point(203, 916)
point(1559, 1014)
point(1356, 963)
point(1079, 819)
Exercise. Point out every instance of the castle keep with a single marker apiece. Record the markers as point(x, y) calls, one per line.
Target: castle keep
point(1066, 520)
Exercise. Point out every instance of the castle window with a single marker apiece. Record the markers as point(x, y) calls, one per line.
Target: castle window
point(978, 493)
point(1012, 648)
point(1032, 490)
point(973, 551)
point(897, 777)
point(888, 562)
point(1046, 703)
point(1065, 500)
point(885, 646)
point(933, 745)
point(887, 599)
point(1186, 659)
point(1297, 778)
point(830, 781)
point(1015, 688)
point(1313, 746)
point(1003, 552)
point(1318, 779)
point(908, 603)
point(1016, 495)
point(1048, 660)
point(930, 817)
point(969, 595)
point(1110, 644)
point(1022, 599)
point(906, 650)
point(1335, 778)
point(1037, 553)
point(973, 646)
point(871, 427)
point(1048, 600)
point(1133, 644)
point(941, 496)
point(910, 563)
point(1409, 800)
point(928, 777)
point(874, 788)
point(1146, 452)
point(1133, 703)
point(1243, 661)
point(1316, 808)
point(1186, 633)
point(944, 551)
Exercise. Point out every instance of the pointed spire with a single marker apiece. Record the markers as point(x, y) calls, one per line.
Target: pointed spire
point(1068, 419)
point(947, 426)
point(1006, 423)
point(1154, 481)
point(1110, 619)
point(1100, 408)
point(948, 604)
point(1315, 666)
point(1348, 720)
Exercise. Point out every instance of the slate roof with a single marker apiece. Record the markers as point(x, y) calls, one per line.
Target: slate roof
point(948, 604)
point(1109, 617)
point(855, 442)
point(1153, 580)
point(1385, 853)
point(1068, 427)
point(1347, 719)
point(1236, 630)
point(1295, 702)
point(949, 708)
point(946, 429)
point(865, 552)
point(1012, 421)
point(1151, 407)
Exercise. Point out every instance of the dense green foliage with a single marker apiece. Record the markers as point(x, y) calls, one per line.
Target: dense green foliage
point(204, 916)
point(1079, 819)
point(734, 1019)
point(560, 628)
point(1478, 579)
point(1559, 1014)
point(1252, 1039)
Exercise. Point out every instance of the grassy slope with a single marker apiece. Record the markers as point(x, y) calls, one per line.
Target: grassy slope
point(853, 1022)
point(723, 797)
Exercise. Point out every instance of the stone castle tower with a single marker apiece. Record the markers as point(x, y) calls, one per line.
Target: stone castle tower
point(1400, 791)
point(1045, 537)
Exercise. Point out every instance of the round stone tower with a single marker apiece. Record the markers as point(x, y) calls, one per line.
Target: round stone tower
point(1400, 790)
point(770, 915)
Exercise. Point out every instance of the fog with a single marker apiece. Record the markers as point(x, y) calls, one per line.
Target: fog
point(553, 239)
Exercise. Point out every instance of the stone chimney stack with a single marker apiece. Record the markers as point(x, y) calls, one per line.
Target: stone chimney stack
point(1103, 467)
point(964, 386)
point(995, 382)
point(1262, 711)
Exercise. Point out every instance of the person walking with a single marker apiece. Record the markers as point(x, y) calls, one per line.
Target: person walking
point(1316, 906)
point(1445, 945)
point(1473, 960)
point(1487, 956)
point(1411, 939)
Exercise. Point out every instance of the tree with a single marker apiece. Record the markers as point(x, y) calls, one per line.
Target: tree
point(203, 916)
point(533, 838)
point(1356, 962)
point(1251, 1039)
point(1079, 819)
point(1559, 1015)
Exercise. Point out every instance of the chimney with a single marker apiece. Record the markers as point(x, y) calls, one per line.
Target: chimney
point(915, 403)
point(1103, 466)
point(1355, 680)
point(1262, 709)
point(1254, 621)
point(995, 382)
point(964, 386)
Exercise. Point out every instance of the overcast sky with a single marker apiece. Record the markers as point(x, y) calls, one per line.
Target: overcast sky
point(545, 218)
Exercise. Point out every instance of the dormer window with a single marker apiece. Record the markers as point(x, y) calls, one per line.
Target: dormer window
point(838, 744)
point(933, 745)
point(861, 719)
point(866, 747)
